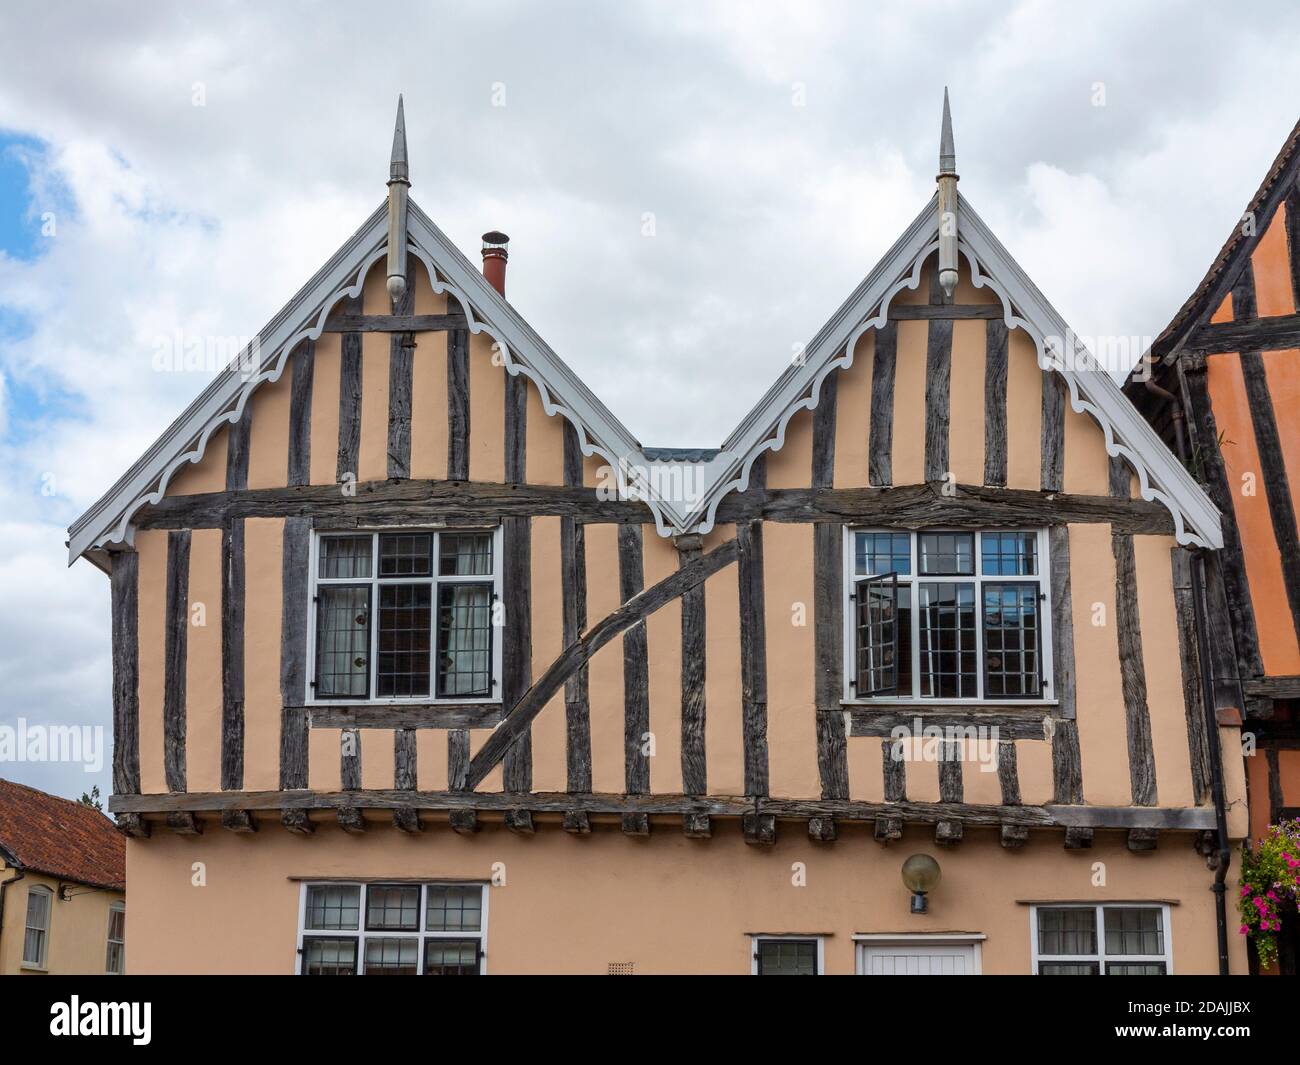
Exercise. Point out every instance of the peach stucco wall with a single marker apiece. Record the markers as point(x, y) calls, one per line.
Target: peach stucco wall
point(791, 734)
point(667, 904)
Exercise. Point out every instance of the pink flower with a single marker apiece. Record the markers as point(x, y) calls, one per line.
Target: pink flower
point(1245, 930)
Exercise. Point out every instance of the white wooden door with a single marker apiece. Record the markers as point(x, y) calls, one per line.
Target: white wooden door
point(917, 959)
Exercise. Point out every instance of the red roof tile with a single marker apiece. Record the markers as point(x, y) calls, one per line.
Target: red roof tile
point(60, 837)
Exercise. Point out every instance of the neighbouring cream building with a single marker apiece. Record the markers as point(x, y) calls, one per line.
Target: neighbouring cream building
point(62, 886)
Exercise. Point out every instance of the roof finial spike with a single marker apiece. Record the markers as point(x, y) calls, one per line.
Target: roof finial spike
point(947, 181)
point(947, 150)
point(399, 180)
point(397, 167)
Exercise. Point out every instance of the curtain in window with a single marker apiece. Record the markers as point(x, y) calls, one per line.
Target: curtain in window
point(38, 927)
point(465, 639)
point(342, 641)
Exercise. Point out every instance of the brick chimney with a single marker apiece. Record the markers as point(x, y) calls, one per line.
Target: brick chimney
point(495, 254)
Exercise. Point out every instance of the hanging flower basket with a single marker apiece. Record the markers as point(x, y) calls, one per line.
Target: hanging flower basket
point(1270, 885)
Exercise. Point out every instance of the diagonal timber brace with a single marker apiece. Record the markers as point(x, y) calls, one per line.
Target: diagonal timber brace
point(576, 655)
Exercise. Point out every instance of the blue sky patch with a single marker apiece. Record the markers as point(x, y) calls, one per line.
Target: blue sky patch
point(20, 217)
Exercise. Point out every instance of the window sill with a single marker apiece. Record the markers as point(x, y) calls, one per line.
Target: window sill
point(955, 706)
point(402, 715)
point(27, 967)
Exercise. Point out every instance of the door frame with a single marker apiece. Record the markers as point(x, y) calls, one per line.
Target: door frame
point(975, 940)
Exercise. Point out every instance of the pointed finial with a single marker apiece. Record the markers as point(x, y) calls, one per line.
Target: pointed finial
point(948, 208)
point(399, 180)
point(397, 167)
point(947, 150)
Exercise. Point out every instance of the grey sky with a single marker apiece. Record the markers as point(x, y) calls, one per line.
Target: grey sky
point(779, 148)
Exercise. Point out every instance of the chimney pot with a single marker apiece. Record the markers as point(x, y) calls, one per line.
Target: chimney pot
point(495, 253)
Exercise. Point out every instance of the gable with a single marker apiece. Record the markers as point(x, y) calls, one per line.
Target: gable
point(1088, 389)
point(895, 282)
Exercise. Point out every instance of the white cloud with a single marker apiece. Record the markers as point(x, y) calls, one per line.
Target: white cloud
point(206, 219)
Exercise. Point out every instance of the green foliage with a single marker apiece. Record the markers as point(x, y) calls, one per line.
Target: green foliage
point(1270, 884)
point(92, 799)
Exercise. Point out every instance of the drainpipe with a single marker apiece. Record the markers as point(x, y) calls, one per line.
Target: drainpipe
point(4, 886)
point(1175, 410)
point(1200, 608)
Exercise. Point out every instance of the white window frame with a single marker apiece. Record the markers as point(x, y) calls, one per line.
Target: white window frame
point(974, 940)
point(115, 907)
point(1101, 957)
point(360, 933)
point(756, 939)
point(43, 961)
point(1042, 578)
point(373, 581)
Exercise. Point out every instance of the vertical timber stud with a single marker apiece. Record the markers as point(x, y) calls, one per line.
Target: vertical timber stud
point(232, 654)
point(573, 579)
point(995, 402)
point(350, 759)
point(304, 368)
point(759, 827)
point(1009, 783)
point(237, 450)
point(828, 539)
point(518, 647)
point(464, 821)
point(753, 657)
point(176, 641)
point(636, 679)
point(1190, 656)
point(1141, 758)
point(950, 791)
point(516, 427)
point(350, 399)
point(404, 778)
point(517, 654)
point(457, 403)
point(293, 663)
point(694, 668)
point(894, 770)
point(881, 440)
point(1209, 467)
point(125, 585)
point(1067, 773)
point(938, 377)
point(1052, 473)
point(401, 359)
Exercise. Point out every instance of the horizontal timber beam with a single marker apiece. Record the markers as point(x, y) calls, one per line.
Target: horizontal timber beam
point(734, 806)
point(1251, 334)
point(1018, 723)
point(396, 502)
point(423, 715)
point(372, 503)
point(395, 323)
point(963, 506)
point(930, 312)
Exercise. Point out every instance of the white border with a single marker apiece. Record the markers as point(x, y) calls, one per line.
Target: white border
point(432, 699)
point(359, 933)
point(975, 940)
point(755, 938)
point(921, 702)
point(1101, 957)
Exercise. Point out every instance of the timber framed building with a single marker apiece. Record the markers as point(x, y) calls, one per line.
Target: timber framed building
point(464, 712)
point(1222, 386)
